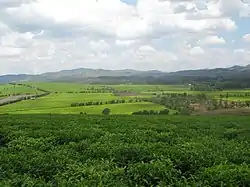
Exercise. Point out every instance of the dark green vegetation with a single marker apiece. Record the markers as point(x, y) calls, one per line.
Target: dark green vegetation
point(68, 150)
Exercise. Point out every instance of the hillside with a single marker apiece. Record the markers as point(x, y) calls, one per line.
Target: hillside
point(132, 76)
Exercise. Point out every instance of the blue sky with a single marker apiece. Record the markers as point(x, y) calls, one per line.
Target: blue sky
point(131, 2)
point(52, 35)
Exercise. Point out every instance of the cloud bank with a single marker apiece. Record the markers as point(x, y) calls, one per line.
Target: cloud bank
point(49, 35)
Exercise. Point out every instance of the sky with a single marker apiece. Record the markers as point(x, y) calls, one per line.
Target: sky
point(39, 36)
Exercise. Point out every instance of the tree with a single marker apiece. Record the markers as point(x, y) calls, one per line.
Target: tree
point(164, 112)
point(106, 111)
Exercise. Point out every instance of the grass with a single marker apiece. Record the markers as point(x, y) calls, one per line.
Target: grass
point(149, 88)
point(79, 150)
point(7, 89)
point(65, 87)
point(116, 109)
point(76, 87)
point(61, 100)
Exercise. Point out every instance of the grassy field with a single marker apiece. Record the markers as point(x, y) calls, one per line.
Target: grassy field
point(7, 89)
point(65, 87)
point(76, 87)
point(126, 108)
point(60, 103)
point(62, 100)
point(126, 151)
point(64, 94)
point(150, 88)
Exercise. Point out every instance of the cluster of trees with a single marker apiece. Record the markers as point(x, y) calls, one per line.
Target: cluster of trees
point(106, 112)
point(217, 86)
point(152, 112)
point(184, 94)
point(246, 94)
point(89, 103)
point(90, 91)
point(220, 104)
point(219, 83)
point(179, 101)
point(186, 104)
point(203, 87)
point(105, 89)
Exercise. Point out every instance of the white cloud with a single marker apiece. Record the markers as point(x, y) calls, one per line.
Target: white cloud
point(246, 37)
point(196, 51)
point(125, 42)
point(49, 35)
point(9, 52)
point(213, 40)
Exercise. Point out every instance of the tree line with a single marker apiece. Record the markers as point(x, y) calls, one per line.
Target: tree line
point(118, 101)
point(151, 112)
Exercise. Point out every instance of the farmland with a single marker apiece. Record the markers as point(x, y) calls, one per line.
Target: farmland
point(127, 108)
point(77, 87)
point(8, 89)
point(148, 138)
point(63, 95)
point(76, 98)
point(74, 150)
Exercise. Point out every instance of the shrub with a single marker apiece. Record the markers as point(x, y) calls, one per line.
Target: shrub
point(106, 111)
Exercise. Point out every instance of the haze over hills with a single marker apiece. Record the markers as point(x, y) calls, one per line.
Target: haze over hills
point(127, 75)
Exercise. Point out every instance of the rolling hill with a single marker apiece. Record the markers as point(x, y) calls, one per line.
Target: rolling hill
point(133, 76)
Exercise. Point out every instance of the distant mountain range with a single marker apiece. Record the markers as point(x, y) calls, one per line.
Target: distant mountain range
point(119, 76)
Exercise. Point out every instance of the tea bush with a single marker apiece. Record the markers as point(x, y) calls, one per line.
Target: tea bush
point(84, 150)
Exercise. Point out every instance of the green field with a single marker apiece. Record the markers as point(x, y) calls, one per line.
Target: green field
point(76, 87)
point(75, 150)
point(64, 94)
point(126, 108)
point(60, 103)
point(50, 141)
point(7, 89)
point(150, 88)
point(64, 87)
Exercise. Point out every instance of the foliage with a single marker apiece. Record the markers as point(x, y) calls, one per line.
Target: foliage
point(152, 112)
point(106, 111)
point(79, 150)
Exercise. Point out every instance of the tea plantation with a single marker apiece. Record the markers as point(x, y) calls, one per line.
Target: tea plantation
point(85, 150)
